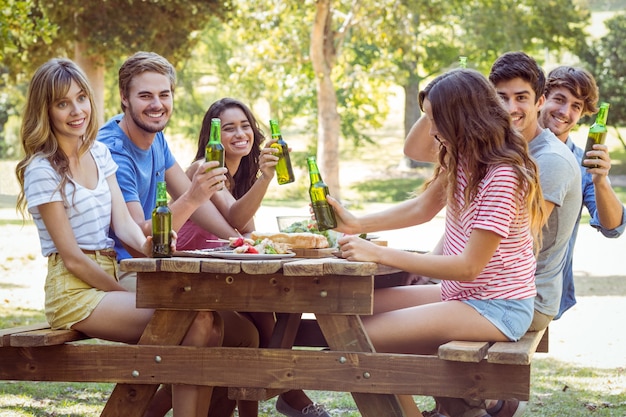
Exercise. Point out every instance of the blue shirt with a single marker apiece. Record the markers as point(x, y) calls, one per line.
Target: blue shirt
point(138, 170)
point(568, 298)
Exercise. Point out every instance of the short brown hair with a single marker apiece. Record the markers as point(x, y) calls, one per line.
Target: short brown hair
point(579, 82)
point(139, 63)
point(512, 65)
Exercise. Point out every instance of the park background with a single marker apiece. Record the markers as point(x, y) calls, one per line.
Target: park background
point(242, 52)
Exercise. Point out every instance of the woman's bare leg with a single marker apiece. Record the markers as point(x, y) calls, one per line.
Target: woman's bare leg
point(116, 318)
point(423, 328)
point(194, 400)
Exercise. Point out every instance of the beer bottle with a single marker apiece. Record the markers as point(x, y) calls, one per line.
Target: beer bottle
point(214, 149)
point(284, 171)
point(597, 133)
point(324, 213)
point(161, 225)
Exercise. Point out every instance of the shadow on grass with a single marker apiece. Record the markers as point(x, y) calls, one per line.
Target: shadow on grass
point(388, 190)
point(600, 286)
point(561, 389)
point(41, 399)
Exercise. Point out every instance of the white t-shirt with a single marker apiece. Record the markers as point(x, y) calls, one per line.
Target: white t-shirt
point(89, 212)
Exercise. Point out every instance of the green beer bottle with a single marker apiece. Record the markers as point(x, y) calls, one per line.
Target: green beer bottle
point(284, 171)
point(214, 149)
point(597, 133)
point(161, 225)
point(324, 213)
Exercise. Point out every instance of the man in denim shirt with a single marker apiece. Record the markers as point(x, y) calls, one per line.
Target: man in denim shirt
point(570, 94)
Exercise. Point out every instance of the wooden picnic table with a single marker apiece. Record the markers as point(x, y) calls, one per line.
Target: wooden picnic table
point(336, 291)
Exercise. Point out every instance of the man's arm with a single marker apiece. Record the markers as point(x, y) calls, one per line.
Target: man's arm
point(417, 210)
point(192, 198)
point(419, 145)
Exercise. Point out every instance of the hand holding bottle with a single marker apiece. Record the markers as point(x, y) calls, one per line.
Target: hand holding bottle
point(284, 170)
point(161, 225)
point(601, 161)
point(596, 136)
point(208, 179)
point(346, 222)
point(267, 161)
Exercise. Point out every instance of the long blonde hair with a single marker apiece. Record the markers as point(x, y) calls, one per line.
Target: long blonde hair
point(50, 83)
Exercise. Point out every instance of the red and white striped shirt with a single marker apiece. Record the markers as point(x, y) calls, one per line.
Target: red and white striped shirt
point(510, 273)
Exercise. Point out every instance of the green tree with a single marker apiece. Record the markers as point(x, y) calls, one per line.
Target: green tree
point(605, 60)
point(99, 32)
point(22, 25)
point(414, 40)
point(20, 28)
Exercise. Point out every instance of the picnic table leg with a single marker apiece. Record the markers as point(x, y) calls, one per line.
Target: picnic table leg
point(167, 327)
point(347, 333)
point(285, 330)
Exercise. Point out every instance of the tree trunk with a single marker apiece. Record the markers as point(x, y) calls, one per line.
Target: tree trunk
point(323, 56)
point(411, 114)
point(620, 138)
point(93, 66)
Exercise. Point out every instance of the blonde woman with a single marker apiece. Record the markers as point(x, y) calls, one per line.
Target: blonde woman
point(69, 187)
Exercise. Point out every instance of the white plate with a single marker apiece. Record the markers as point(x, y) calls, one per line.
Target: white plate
point(250, 256)
point(201, 253)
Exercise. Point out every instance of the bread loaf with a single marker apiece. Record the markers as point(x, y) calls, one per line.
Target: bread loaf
point(295, 240)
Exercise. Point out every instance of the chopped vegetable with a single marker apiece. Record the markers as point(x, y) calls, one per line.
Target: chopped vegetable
point(310, 226)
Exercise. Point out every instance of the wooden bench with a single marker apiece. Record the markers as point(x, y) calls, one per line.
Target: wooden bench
point(461, 369)
point(508, 354)
point(37, 335)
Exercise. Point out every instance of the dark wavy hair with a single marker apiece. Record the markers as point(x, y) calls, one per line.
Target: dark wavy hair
point(248, 170)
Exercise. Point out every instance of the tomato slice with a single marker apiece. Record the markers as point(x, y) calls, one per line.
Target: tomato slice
point(251, 249)
point(237, 242)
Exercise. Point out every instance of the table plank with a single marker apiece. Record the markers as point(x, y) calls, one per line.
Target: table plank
point(262, 293)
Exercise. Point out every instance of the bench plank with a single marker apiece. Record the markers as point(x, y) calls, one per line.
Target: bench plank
point(515, 353)
point(364, 372)
point(5, 334)
point(461, 351)
point(45, 337)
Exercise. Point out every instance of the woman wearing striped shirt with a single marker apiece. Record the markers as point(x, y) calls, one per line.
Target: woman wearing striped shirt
point(494, 211)
point(68, 185)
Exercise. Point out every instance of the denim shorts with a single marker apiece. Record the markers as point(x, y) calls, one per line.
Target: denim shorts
point(511, 317)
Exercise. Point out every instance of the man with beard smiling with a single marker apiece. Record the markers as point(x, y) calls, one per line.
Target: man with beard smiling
point(570, 94)
point(138, 146)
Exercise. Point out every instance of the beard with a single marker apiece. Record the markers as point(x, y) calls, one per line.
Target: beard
point(146, 126)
